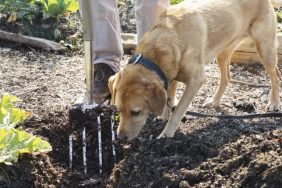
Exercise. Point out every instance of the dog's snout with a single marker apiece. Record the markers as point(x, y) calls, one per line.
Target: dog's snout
point(122, 137)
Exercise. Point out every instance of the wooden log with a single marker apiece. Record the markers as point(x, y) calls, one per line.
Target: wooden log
point(249, 57)
point(129, 41)
point(32, 41)
point(247, 53)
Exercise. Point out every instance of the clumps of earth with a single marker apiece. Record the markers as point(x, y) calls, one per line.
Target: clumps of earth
point(204, 153)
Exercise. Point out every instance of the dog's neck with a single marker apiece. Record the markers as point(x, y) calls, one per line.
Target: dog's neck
point(165, 54)
point(149, 64)
point(164, 65)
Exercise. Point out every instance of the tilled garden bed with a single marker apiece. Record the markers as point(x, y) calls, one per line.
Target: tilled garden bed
point(204, 152)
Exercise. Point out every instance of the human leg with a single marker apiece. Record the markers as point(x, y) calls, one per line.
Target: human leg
point(147, 12)
point(107, 47)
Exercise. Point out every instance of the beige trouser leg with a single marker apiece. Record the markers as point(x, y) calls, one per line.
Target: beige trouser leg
point(147, 12)
point(107, 46)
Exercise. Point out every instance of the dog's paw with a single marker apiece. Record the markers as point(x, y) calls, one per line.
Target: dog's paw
point(272, 107)
point(165, 134)
point(211, 103)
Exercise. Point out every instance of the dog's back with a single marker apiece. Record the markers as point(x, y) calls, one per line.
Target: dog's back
point(213, 24)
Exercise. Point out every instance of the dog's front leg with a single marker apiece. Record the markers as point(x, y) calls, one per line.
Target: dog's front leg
point(171, 100)
point(192, 87)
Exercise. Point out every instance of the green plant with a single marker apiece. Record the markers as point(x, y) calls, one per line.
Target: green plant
point(173, 2)
point(14, 5)
point(279, 20)
point(20, 9)
point(9, 115)
point(14, 142)
point(279, 16)
point(30, 9)
point(57, 8)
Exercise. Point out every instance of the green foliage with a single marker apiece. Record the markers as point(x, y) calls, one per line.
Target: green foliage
point(13, 141)
point(14, 5)
point(116, 118)
point(173, 2)
point(279, 16)
point(57, 8)
point(9, 115)
point(30, 9)
point(23, 8)
point(279, 19)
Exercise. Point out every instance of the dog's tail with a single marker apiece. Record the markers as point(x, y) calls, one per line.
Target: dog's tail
point(276, 3)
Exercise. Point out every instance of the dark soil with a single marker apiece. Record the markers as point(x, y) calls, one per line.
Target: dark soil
point(205, 152)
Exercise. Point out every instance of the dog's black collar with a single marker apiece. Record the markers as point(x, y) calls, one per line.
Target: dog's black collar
point(139, 59)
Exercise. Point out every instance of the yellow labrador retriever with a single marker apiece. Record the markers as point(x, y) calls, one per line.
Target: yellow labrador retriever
point(185, 38)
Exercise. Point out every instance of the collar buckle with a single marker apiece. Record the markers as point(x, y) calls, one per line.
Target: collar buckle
point(137, 59)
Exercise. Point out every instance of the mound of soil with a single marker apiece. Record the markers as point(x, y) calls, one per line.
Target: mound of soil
point(110, 149)
point(204, 153)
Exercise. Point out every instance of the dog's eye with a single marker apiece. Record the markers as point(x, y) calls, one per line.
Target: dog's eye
point(135, 113)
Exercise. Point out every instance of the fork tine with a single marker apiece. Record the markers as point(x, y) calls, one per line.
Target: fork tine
point(100, 144)
point(70, 151)
point(84, 144)
point(113, 137)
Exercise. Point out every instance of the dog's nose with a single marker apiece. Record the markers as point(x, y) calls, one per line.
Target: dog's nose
point(122, 137)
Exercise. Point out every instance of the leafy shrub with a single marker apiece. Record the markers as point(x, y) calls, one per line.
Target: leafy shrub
point(20, 9)
point(31, 9)
point(14, 142)
point(9, 115)
point(57, 8)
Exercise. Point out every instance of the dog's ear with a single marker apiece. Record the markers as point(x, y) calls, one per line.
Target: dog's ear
point(112, 83)
point(157, 99)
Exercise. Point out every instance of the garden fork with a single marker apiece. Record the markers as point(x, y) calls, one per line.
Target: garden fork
point(86, 102)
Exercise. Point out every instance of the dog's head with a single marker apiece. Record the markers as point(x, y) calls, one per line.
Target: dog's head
point(135, 95)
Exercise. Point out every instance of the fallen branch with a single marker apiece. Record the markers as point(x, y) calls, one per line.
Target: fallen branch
point(32, 41)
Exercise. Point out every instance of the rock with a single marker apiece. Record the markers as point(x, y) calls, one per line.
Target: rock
point(184, 184)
